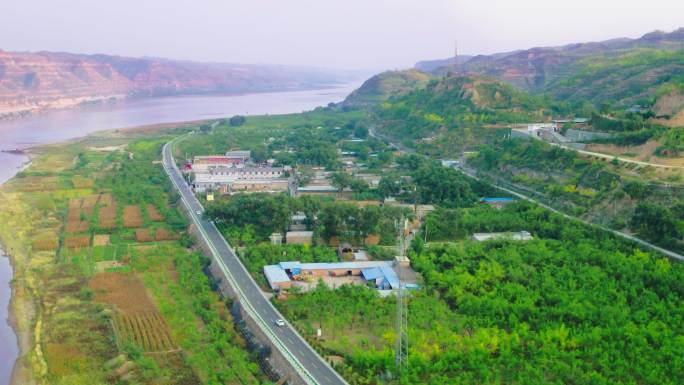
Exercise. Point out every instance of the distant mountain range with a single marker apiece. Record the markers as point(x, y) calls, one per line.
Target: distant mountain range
point(32, 82)
point(536, 68)
point(617, 75)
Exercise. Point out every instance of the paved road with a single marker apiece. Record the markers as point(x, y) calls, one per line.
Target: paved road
point(621, 159)
point(306, 361)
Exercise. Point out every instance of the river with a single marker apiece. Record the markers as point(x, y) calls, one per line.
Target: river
point(58, 126)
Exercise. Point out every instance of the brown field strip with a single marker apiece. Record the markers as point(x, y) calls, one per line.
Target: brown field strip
point(77, 241)
point(74, 214)
point(149, 235)
point(136, 319)
point(107, 217)
point(77, 226)
point(132, 217)
point(164, 235)
point(143, 235)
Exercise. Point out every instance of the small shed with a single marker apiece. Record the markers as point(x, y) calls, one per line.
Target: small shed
point(299, 237)
point(276, 239)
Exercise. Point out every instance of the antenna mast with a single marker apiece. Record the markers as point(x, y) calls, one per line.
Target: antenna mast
point(455, 56)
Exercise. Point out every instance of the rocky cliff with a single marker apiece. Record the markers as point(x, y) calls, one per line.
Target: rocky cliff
point(31, 82)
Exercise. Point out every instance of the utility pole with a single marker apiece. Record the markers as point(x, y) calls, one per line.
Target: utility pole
point(401, 359)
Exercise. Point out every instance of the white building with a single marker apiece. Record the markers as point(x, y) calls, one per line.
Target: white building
point(216, 177)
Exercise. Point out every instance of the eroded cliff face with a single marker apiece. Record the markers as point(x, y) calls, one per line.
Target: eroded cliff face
point(31, 82)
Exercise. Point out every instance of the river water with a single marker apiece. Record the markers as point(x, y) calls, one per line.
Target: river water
point(59, 126)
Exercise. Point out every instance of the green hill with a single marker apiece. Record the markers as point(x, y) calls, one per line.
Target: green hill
point(384, 85)
point(450, 103)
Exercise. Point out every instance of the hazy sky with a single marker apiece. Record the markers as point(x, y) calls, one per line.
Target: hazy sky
point(353, 34)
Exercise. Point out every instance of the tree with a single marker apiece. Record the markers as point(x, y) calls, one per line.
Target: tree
point(441, 185)
point(237, 120)
point(636, 189)
point(341, 180)
point(389, 185)
point(654, 222)
point(361, 132)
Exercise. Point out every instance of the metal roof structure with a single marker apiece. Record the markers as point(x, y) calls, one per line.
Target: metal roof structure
point(275, 275)
point(372, 273)
point(496, 199)
point(390, 276)
point(289, 265)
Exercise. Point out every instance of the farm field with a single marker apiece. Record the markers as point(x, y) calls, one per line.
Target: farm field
point(108, 287)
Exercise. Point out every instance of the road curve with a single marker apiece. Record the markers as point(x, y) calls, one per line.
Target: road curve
point(311, 367)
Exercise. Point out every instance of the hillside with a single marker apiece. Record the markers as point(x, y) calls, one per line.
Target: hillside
point(380, 87)
point(644, 76)
point(451, 104)
point(31, 82)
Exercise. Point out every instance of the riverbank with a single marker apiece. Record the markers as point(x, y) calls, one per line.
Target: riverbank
point(21, 310)
point(14, 338)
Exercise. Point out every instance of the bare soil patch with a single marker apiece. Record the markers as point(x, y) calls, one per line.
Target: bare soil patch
point(101, 240)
